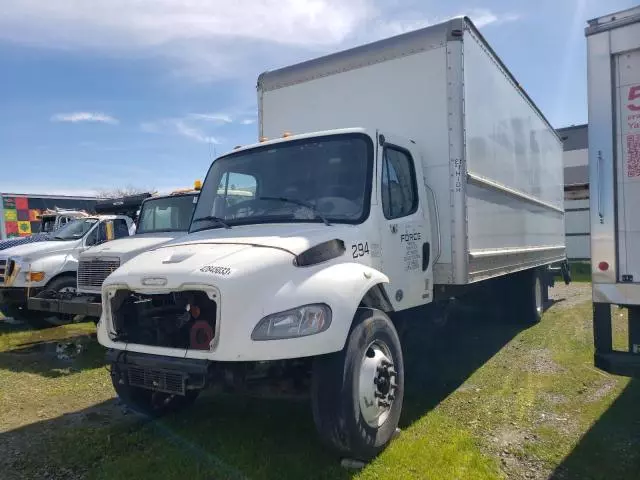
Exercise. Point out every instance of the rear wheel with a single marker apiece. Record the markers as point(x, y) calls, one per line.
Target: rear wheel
point(526, 296)
point(357, 393)
point(148, 402)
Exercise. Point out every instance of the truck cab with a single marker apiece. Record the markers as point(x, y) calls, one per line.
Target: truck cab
point(51, 265)
point(52, 220)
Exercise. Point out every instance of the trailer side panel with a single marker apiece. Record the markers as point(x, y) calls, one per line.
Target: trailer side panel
point(515, 191)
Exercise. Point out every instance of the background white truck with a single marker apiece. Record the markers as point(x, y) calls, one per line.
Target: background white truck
point(430, 172)
point(162, 218)
point(27, 270)
point(613, 45)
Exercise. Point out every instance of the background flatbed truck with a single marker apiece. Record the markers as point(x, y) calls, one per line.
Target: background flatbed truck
point(415, 169)
point(613, 47)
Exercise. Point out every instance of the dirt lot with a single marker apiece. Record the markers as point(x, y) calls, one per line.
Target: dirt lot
point(484, 400)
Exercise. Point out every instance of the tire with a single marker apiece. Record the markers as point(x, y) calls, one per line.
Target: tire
point(345, 419)
point(526, 296)
point(64, 283)
point(148, 402)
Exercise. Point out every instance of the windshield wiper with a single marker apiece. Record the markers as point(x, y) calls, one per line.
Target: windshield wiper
point(210, 218)
point(302, 203)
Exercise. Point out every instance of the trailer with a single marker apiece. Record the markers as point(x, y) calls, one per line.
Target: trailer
point(21, 214)
point(613, 46)
point(399, 174)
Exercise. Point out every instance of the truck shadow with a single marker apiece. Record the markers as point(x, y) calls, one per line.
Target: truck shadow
point(220, 437)
point(440, 356)
point(610, 449)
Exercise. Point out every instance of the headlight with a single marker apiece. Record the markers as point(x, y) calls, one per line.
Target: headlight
point(297, 322)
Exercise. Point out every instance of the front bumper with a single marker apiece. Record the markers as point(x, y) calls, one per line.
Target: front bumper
point(17, 296)
point(86, 305)
point(159, 373)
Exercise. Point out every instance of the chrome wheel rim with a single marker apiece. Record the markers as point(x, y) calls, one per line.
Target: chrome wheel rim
point(377, 384)
point(538, 295)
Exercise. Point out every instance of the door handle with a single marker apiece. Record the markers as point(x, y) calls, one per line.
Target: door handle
point(426, 255)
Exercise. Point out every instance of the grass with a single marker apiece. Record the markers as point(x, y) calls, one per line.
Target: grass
point(581, 271)
point(484, 400)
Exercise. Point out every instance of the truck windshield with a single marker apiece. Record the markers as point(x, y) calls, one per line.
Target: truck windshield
point(166, 214)
point(75, 229)
point(48, 224)
point(321, 179)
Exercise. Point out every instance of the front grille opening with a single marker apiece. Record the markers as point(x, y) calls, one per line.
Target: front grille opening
point(174, 320)
point(91, 273)
point(158, 380)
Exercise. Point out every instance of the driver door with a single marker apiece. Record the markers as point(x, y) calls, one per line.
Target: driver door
point(405, 233)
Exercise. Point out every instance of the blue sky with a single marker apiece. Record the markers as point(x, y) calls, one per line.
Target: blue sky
point(109, 93)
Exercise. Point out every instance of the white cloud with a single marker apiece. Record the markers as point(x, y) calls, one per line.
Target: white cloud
point(75, 117)
point(123, 23)
point(248, 121)
point(482, 17)
point(219, 118)
point(187, 126)
point(206, 39)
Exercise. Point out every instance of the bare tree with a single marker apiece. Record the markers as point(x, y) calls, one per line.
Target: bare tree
point(125, 191)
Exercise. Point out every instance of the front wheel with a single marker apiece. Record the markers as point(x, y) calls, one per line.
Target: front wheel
point(357, 393)
point(65, 284)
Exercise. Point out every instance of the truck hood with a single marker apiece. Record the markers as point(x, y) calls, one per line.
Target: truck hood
point(38, 249)
point(240, 251)
point(294, 238)
point(131, 246)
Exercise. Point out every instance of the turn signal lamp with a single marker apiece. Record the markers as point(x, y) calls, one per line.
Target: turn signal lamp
point(35, 276)
point(263, 139)
point(286, 134)
point(197, 185)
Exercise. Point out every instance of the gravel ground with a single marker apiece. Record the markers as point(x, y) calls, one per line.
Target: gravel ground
point(568, 296)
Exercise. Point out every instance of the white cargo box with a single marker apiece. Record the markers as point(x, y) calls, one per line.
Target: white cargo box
point(492, 159)
point(613, 44)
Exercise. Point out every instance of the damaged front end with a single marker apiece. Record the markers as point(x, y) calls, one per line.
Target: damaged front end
point(185, 319)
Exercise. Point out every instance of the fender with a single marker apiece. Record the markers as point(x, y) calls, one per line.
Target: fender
point(52, 265)
point(342, 286)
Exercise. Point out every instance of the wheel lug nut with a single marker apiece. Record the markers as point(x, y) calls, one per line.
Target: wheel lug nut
point(378, 395)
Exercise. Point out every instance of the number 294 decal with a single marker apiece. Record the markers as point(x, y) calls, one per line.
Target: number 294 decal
point(359, 249)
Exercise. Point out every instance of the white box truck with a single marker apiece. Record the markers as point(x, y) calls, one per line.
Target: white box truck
point(419, 169)
point(613, 46)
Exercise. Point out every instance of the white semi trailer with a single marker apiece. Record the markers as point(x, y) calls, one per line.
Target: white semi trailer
point(419, 169)
point(613, 46)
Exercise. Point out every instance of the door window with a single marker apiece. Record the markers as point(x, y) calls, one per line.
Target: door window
point(399, 190)
point(120, 228)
